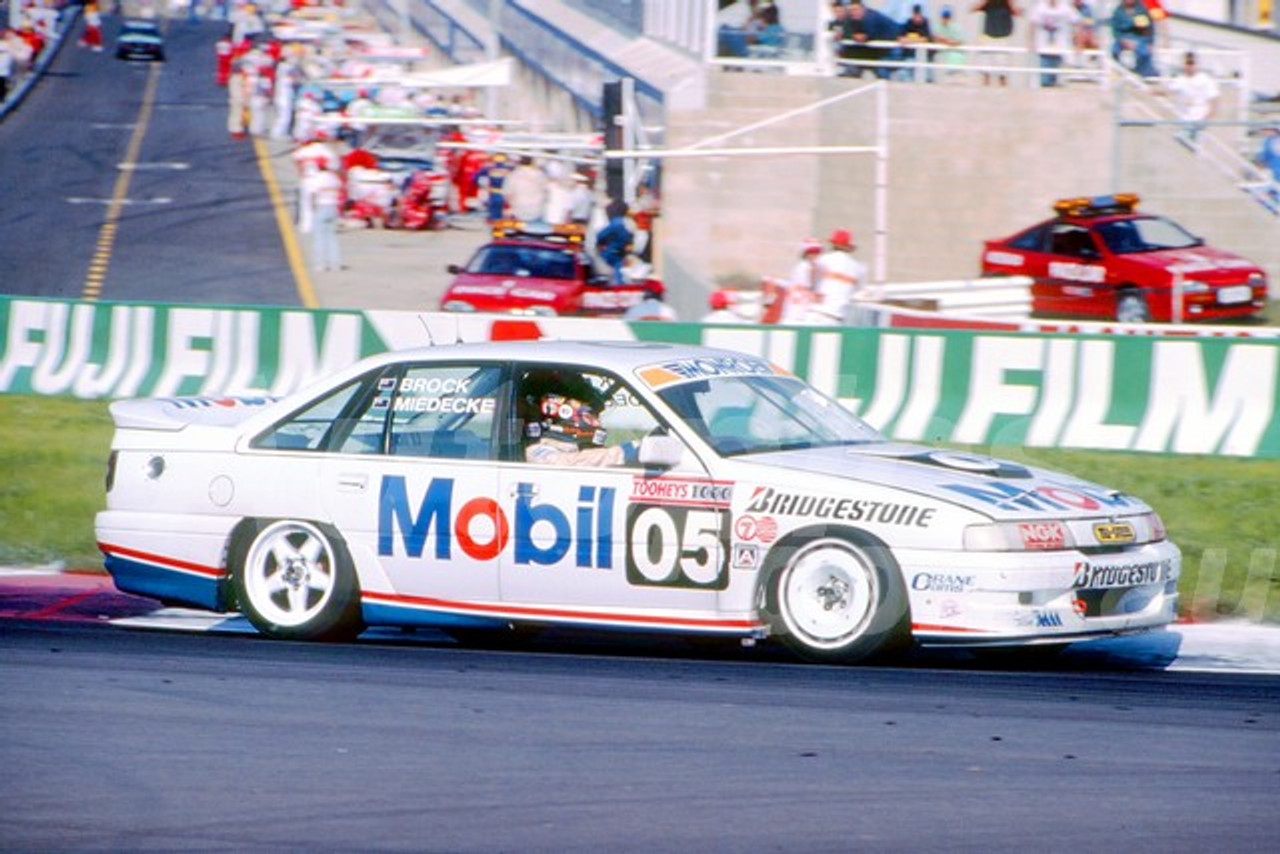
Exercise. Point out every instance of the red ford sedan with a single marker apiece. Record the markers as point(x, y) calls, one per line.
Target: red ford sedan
point(1100, 258)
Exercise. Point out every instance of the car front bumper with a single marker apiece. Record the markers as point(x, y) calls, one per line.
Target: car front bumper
point(1016, 598)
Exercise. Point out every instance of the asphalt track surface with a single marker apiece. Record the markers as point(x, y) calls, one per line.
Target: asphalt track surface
point(123, 739)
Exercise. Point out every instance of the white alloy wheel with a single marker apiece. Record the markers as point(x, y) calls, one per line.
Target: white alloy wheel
point(839, 600)
point(295, 581)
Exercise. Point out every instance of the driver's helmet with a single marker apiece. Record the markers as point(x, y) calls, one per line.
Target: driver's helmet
point(570, 419)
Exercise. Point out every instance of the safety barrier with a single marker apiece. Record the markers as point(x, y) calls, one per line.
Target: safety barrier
point(993, 298)
point(1158, 394)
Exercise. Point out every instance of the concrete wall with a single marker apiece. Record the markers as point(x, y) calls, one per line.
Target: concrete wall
point(966, 163)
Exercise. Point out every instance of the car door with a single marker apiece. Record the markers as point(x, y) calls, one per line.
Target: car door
point(411, 484)
point(609, 543)
point(1074, 281)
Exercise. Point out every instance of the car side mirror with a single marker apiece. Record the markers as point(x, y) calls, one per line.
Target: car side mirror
point(454, 269)
point(661, 451)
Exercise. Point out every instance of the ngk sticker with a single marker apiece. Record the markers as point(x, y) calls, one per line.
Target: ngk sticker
point(1042, 535)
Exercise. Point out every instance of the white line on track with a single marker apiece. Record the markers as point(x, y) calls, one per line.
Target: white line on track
point(176, 166)
point(80, 200)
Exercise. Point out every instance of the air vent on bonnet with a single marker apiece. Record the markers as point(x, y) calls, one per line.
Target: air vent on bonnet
point(972, 463)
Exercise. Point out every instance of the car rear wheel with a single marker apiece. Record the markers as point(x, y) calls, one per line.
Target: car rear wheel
point(1131, 307)
point(296, 581)
point(838, 599)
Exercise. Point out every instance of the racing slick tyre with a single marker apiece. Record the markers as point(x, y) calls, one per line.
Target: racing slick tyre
point(294, 580)
point(839, 598)
point(1131, 307)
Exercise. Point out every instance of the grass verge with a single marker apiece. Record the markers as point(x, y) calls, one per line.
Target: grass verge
point(1221, 511)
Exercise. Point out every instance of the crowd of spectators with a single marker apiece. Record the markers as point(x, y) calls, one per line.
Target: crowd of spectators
point(319, 97)
point(886, 38)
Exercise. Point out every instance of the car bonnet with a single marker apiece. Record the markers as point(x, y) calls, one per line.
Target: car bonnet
point(996, 488)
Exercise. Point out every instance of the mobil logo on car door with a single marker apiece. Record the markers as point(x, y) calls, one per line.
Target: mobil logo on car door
point(616, 537)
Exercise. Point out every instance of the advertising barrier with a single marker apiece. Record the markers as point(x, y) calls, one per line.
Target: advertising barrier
point(1199, 395)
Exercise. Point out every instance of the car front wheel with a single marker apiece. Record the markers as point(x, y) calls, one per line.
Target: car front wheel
point(296, 581)
point(837, 599)
point(1131, 307)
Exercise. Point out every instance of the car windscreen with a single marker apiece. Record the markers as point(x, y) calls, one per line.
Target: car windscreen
point(526, 261)
point(755, 414)
point(1144, 234)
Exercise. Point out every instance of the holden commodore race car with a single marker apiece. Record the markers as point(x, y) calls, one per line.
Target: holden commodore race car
point(1100, 258)
point(544, 270)
point(625, 486)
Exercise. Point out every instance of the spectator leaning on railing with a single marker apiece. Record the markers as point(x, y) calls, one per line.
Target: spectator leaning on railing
point(1132, 32)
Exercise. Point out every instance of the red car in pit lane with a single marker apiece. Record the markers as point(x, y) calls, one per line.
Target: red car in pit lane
point(1100, 258)
point(544, 270)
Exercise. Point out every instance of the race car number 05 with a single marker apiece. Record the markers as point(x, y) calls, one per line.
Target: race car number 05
point(678, 547)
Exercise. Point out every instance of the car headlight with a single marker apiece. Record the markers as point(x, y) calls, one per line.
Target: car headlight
point(1018, 537)
point(1191, 286)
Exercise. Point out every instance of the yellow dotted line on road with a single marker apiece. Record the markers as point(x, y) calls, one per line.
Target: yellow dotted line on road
point(107, 232)
point(298, 264)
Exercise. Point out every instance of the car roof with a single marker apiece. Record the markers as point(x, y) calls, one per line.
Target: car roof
point(613, 355)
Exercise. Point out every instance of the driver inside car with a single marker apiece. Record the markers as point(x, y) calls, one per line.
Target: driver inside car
point(567, 430)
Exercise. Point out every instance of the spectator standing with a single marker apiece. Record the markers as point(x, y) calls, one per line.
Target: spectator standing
point(309, 159)
point(770, 36)
point(1132, 32)
point(1195, 94)
point(722, 304)
point(1269, 159)
point(652, 307)
point(494, 177)
point(915, 32)
point(997, 27)
point(840, 278)
point(238, 85)
point(6, 68)
point(581, 199)
point(324, 192)
point(613, 242)
point(862, 26)
point(559, 194)
point(949, 33)
point(526, 191)
point(1053, 24)
point(92, 35)
point(306, 111)
point(224, 50)
point(1085, 36)
point(282, 97)
point(802, 283)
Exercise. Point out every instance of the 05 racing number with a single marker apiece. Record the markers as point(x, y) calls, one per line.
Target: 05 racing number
point(677, 547)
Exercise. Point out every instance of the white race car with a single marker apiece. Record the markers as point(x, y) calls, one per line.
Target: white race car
point(629, 486)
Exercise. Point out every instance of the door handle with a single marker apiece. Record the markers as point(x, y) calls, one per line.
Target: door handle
point(353, 482)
